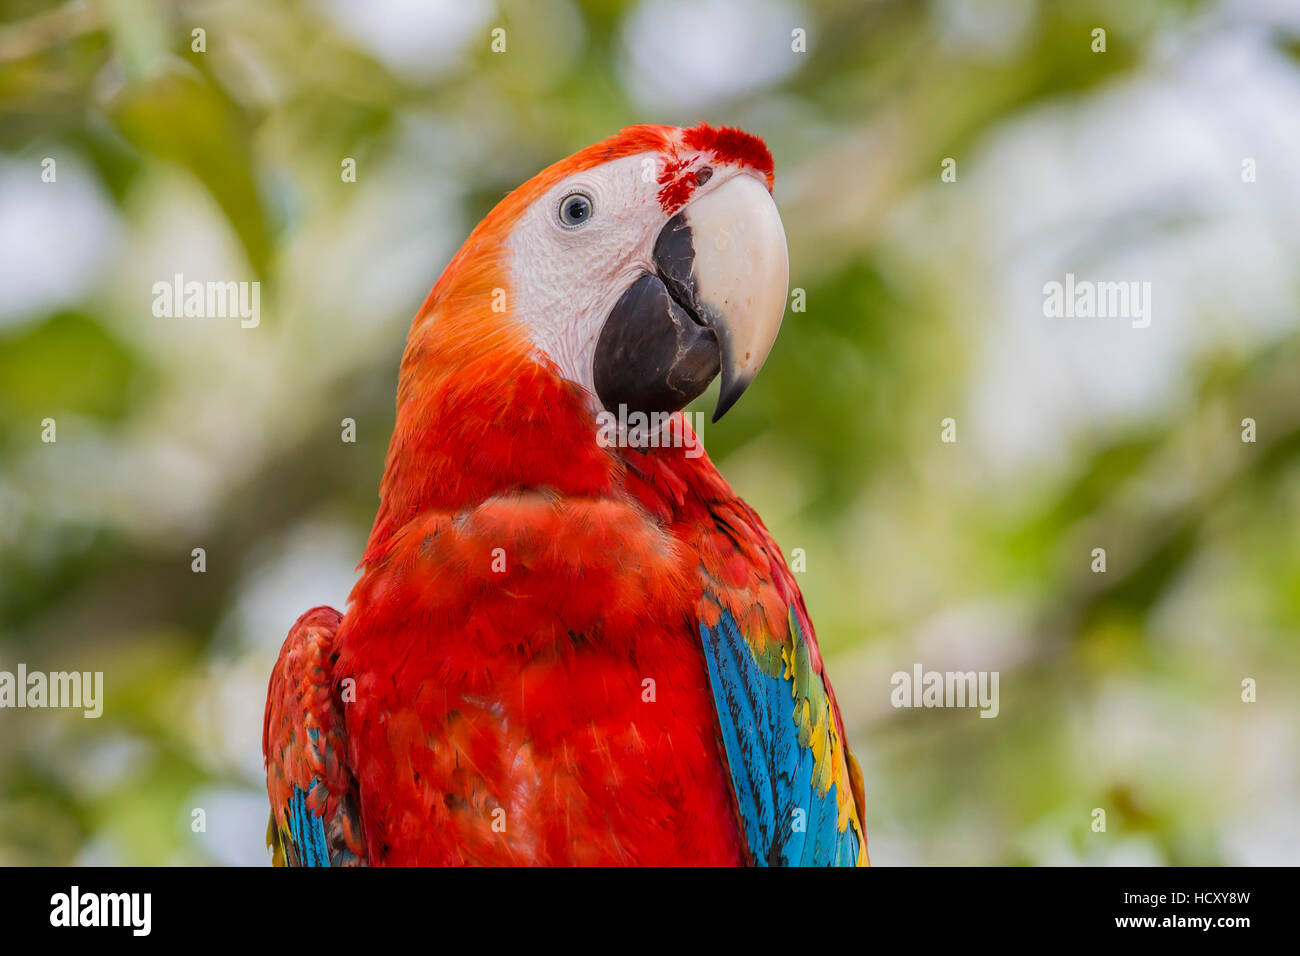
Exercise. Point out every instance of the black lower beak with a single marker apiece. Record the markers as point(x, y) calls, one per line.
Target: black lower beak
point(711, 302)
point(656, 351)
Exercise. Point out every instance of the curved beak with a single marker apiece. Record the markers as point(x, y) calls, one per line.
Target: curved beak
point(714, 304)
point(741, 276)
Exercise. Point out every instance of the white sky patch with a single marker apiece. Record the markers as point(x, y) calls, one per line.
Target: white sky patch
point(226, 708)
point(100, 765)
point(313, 564)
point(1282, 14)
point(232, 814)
point(419, 38)
point(685, 55)
point(55, 238)
point(974, 636)
point(101, 850)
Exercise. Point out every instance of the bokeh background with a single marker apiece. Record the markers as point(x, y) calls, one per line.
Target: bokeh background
point(1119, 691)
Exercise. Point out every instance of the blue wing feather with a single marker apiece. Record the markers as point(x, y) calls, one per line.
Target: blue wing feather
point(771, 769)
point(307, 831)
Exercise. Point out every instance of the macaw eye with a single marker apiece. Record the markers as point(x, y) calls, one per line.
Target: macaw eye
point(575, 209)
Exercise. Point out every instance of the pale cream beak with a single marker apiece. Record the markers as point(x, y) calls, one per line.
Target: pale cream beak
point(741, 274)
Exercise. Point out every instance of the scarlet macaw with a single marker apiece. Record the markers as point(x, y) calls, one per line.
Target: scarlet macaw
point(564, 650)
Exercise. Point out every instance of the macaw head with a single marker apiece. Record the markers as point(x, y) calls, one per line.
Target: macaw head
point(642, 267)
point(630, 274)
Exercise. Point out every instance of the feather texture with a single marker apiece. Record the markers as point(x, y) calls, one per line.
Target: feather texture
point(314, 818)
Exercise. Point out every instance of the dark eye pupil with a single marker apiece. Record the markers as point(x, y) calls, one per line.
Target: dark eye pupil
point(576, 209)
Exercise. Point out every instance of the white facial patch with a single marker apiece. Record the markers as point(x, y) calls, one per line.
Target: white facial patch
point(567, 279)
